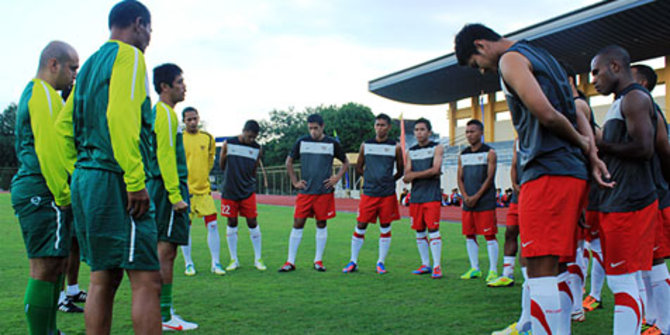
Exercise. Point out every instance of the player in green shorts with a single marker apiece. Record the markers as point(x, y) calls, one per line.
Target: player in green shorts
point(40, 191)
point(168, 185)
point(106, 125)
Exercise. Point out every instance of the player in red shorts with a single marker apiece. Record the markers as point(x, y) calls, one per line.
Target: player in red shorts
point(629, 211)
point(315, 198)
point(423, 170)
point(657, 281)
point(476, 172)
point(239, 160)
point(376, 160)
point(552, 160)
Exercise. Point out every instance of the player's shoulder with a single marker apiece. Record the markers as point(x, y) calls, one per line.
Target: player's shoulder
point(205, 135)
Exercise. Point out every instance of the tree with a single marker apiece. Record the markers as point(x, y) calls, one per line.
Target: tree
point(8, 160)
point(353, 123)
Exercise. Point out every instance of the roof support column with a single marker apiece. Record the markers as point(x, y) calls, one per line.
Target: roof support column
point(476, 109)
point(490, 118)
point(451, 115)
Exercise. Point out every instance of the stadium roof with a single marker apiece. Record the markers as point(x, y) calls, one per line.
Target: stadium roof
point(640, 26)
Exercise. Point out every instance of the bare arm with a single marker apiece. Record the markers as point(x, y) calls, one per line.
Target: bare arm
point(299, 184)
point(461, 183)
point(408, 169)
point(223, 155)
point(663, 146)
point(492, 159)
point(517, 73)
point(598, 167)
point(360, 163)
point(434, 170)
point(399, 163)
point(635, 108)
point(514, 174)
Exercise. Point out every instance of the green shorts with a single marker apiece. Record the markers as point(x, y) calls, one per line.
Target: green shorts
point(172, 226)
point(46, 229)
point(109, 238)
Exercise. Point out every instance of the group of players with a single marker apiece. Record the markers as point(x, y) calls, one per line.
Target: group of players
point(106, 142)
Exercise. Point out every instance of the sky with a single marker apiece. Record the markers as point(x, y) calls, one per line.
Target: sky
point(243, 59)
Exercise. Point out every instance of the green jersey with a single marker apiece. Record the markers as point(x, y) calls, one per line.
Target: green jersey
point(107, 120)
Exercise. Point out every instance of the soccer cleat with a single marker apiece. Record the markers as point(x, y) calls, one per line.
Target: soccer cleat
point(79, 297)
point(350, 267)
point(260, 265)
point(501, 282)
point(381, 269)
point(578, 316)
point(472, 274)
point(68, 306)
point(590, 304)
point(437, 272)
point(190, 270)
point(176, 323)
point(218, 270)
point(493, 274)
point(287, 267)
point(233, 265)
point(510, 330)
point(423, 269)
point(653, 330)
point(318, 266)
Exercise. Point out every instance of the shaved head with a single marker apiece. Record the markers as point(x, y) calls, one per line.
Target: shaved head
point(615, 53)
point(58, 50)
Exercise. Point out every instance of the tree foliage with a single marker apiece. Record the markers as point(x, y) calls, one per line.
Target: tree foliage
point(7, 124)
point(352, 122)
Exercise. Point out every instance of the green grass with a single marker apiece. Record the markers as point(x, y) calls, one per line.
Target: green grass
point(251, 302)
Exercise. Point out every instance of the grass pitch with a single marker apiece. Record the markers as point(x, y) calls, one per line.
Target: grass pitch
point(248, 301)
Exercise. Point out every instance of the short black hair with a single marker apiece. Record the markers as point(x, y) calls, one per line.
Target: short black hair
point(315, 118)
point(252, 126)
point(465, 40)
point(165, 73)
point(569, 71)
point(186, 110)
point(476, 123)
point(648, 73)
point(124, 13)
point(424, 121)
point(615, 53)
point(384, 117)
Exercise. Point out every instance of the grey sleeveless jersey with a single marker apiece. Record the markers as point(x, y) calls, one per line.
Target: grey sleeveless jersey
point(239, 174)
point(474, 165)
point(316, 161)
point(425, 189)
point(379, 164)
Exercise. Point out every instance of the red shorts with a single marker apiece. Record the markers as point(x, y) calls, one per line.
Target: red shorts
point(318, 206)
point(662, 238)
point(479, 223)
point(512, 215)
point(549, 208)
point(625, 238)
point(245, 208)
point(384, 208)
point(425, 215)
point(593, 224)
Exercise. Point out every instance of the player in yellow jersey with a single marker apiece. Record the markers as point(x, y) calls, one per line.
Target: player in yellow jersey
point(40, 191)
point(200, 150)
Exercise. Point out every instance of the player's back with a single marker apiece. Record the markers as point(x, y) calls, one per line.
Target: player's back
point(239, 175)
point(92, 96)
point(542, 152)
point(379, 163)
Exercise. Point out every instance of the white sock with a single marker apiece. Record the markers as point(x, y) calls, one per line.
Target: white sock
point(293, 244)
point(231, 236)
point(581, 259)
point(544, 294)
point(473, 252)
point(597, 270)
point(566, 300)
point(384, 243)
point(321, 238)
point(524, 319)
point(357, 240)
point(650, 313)
point(61, 297)
point(492, 248)
point(214, 241)
point(72, 289)
point(660, 280)
point(186, 250)
point(508, 266)
point(575, 280)
point(627, 303)
point(435, 242)
point(255, 236)
point(643, 291)
point(422, 245)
